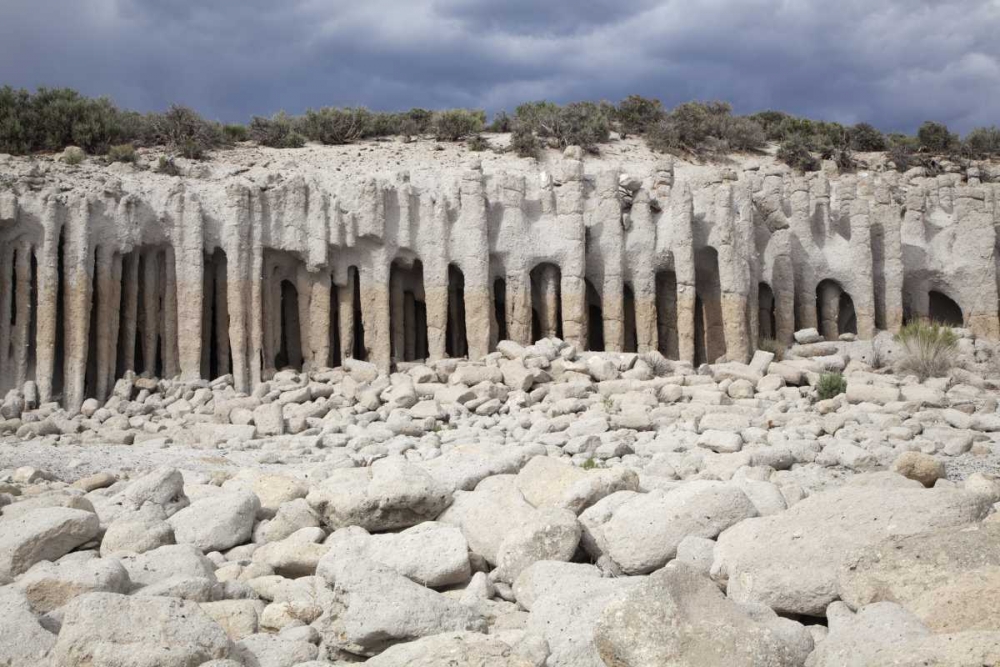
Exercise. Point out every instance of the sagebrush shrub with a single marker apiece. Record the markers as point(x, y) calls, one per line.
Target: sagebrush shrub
point(334, 126)
point(456, 124)
point(982, 142)
point(167, 166)
point(866, 138)
point(830, 385)
point(936, 137)
point(184, 131)
point(235, 133)
point(636, 114)
point(279, 131)
point(73, 155)
point(122, 153)
point(929, 349)
point(795, 153)
point(501, 122)
point(477, 143)
point(524, 142)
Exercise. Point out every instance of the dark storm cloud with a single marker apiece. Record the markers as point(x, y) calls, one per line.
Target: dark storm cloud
point(892, 62)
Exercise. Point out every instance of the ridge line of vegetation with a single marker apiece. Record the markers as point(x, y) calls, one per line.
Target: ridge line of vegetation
point(52, 119)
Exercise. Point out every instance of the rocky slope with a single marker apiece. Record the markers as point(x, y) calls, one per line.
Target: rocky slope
point(543, 507)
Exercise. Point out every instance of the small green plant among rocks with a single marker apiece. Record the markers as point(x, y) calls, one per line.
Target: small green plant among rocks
point(122, 153)
point(929, 349)
point(477, 143)
point(167, 166)
point(73, 155)
point(831, 385)
point(589, 464)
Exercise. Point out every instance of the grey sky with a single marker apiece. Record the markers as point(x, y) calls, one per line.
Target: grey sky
point(894, 63)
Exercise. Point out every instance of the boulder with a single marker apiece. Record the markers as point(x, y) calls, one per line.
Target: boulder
point(136, 532)
point(239, 618)
point(23, 640)
point(488, 513)
point(642, 533)
point(790, 561)
point(549, 535)
point(48, 585)
point(918, 466)
point(165, 562)
point(376, 607)
point(679, 617)
point(431, 554)
point(948, 578)
point(886, 635)
point(42, 534)
point(218, 522)
point(111, 630)
point(163, 487)
point(263, 650)
point(549, 482)
point(451, 648)
point(392, 493)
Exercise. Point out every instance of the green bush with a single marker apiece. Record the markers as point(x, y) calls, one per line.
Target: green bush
point(53, 118)
point(73, 155)
point(333, 126)
point(929, 349)
point(477, 143)
point(935, 137)
point(772, 122)
point(501, 122)
point(584, 124)
point(276, 132)
point(901, 155)
point(636, 114)
point(663, 137)
point(183, 130)
point(706, 127)
point(524, 142)
point(794, 152)
point(589, 464)
point(235, 133)
point(167, 166)
point(830, 385)
point(456, 124)
point(866, 138)
point(122, 153)
point(982, 142)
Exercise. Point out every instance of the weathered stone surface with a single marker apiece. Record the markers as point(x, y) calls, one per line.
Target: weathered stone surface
point(25, 642)
point(948, 578)
point(42, 534)
point(392, 493)
point(488, 513)
point(48, 585)
point(109, 630)
point(550, 482)
point(376, 608)
point(790, 561)
point(679, 617)
point(451, 648)
point(218, 522)
point(642, 533)
point(549, 535)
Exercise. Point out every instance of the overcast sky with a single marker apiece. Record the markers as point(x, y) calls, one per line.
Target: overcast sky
point(894, 63)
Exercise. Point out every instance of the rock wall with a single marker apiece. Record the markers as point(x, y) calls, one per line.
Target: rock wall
point(197, 277)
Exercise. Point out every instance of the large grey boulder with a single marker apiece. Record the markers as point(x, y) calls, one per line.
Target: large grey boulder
point(110, 630)
point(42, 534)
point(790, 561)
point(135, 532)
point(48, 585)
point(565, 616)
point(451, 648)
point(641, 533)
point(550, 534)
point(218, 522)
point(465, 465)
point(488, 513)
point(180, 560)
point(948, 578)
point(432, 554)
point(263, 650)
point(376, 607)
point(23, 640)
point(549, 482)
point(392, 493)
point(679, 617)
point(163, 487)
point(886, 635)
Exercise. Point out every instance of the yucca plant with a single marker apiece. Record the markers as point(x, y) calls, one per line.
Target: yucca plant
point(929, 349)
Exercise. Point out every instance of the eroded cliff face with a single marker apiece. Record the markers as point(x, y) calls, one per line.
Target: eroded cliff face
point(252, 265)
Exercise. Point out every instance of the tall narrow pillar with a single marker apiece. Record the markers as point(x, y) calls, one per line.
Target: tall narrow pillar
point(346, 305)
point(519, 307)
point(375, 314)
point(548, 308)
point(221, 313)
point(319, 320)
point(150, 310)
point(170, 340)
point(107, 308)
point(645, 312)
point(6, 296)
point(22, 315)
point(130, 309)
point(48, 300)
point(396, 318)
point(829, 305)
point(613, 310)
point(409, 326)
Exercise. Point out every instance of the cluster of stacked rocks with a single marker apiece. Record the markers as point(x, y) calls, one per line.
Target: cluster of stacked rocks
point(542, 507)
